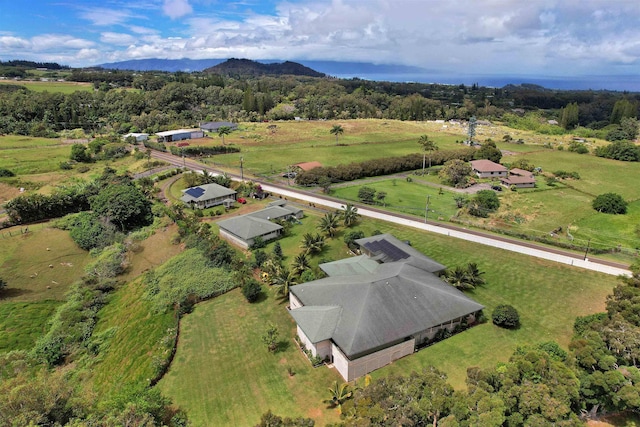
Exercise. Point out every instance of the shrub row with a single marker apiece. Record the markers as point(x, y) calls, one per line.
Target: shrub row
point(37, 207)
point(193, 151)
point(378, 167)
point(155, 145)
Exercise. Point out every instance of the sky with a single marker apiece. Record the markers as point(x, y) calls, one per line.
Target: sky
point(561, 38)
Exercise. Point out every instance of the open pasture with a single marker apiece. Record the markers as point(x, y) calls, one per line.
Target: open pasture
point(51, 86)
point(40, 264)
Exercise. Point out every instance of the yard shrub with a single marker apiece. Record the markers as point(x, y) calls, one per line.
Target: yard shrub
point(610, 203)
point(505, 316)
point(251, 290)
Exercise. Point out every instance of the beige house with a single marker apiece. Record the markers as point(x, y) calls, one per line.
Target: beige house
point(377, 307)
point(208, 195)
point(519, 178)
point(244, 229)
point(488, 169)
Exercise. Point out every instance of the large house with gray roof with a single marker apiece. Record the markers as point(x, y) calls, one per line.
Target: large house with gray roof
point(375, 308)
point(244, 229)
point(208, 195)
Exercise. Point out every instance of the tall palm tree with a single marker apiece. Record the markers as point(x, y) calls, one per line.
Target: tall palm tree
point(312, 244)
point(300, 264)
point(222, 131)
point(427, 146)
point(329, 224)
point(283, 281)
point(336, 130)
point(349, 215)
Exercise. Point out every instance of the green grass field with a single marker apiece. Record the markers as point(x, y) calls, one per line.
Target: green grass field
point(224, 334)
point(39, 265)
point(22, 323)
point(132, 340)
point(51, 86)
point(223, 375)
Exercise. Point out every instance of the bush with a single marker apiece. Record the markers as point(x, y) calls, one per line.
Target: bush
point(251, 290)
point(484, 202)
point(610, 203)
point(6, 173)
point(505, 316)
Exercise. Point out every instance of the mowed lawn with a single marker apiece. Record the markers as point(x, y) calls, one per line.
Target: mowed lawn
point(223, 374)
point(547, 295)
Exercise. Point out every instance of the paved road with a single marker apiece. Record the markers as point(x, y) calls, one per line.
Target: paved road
point(555, 255)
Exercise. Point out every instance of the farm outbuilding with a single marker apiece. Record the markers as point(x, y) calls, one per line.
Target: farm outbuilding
point(179, 135)
point(214, 126)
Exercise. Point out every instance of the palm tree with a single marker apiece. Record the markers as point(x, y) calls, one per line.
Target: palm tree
point(475, 275)
point(349, 215)
point(458, 278)
point(222, 131)
point(338, 395)
point(329, 224)
point(300, 264)
point(465, 278)
point(336, 130)
point(312, 244)
point(427, 146)
point(283, 281)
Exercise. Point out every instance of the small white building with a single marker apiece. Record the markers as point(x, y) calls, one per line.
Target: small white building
point(488, 169)
point(140, 137)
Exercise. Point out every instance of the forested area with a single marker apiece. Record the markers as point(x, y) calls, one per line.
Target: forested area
point(164, 101)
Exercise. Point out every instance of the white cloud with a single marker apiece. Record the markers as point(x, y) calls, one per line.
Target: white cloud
point(9, 43)
point(52, 42)
point(118, 39)
point(105, 17)
point(176, 8)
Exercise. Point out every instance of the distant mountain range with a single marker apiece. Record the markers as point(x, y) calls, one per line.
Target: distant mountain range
point(332, 68)
point(396, 73)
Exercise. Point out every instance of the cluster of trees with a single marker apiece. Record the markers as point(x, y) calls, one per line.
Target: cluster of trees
point(625, 151)
point(167, 100)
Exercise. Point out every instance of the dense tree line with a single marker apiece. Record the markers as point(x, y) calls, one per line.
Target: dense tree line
point(168, 100)
point(378, 167)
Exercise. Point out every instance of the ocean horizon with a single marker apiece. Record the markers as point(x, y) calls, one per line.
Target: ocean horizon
point(611, 83)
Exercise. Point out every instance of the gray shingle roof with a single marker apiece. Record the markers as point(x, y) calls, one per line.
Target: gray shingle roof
point(380, 308)
point(416, 258)
point(247, 227)
point(319, 323)
point(205, 192)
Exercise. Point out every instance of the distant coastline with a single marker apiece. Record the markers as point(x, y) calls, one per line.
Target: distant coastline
point(613, 83)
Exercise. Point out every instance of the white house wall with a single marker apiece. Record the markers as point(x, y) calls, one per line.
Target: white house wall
point(352, 369)
point(294, 302)
point(234, 239)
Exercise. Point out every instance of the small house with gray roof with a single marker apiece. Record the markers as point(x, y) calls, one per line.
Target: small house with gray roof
point(244, 229)
point(375, 308)
point(208, 195)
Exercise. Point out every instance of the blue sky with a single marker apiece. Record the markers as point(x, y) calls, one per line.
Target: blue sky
point(492, 37)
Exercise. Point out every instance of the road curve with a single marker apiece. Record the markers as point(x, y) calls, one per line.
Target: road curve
point(555, 255)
